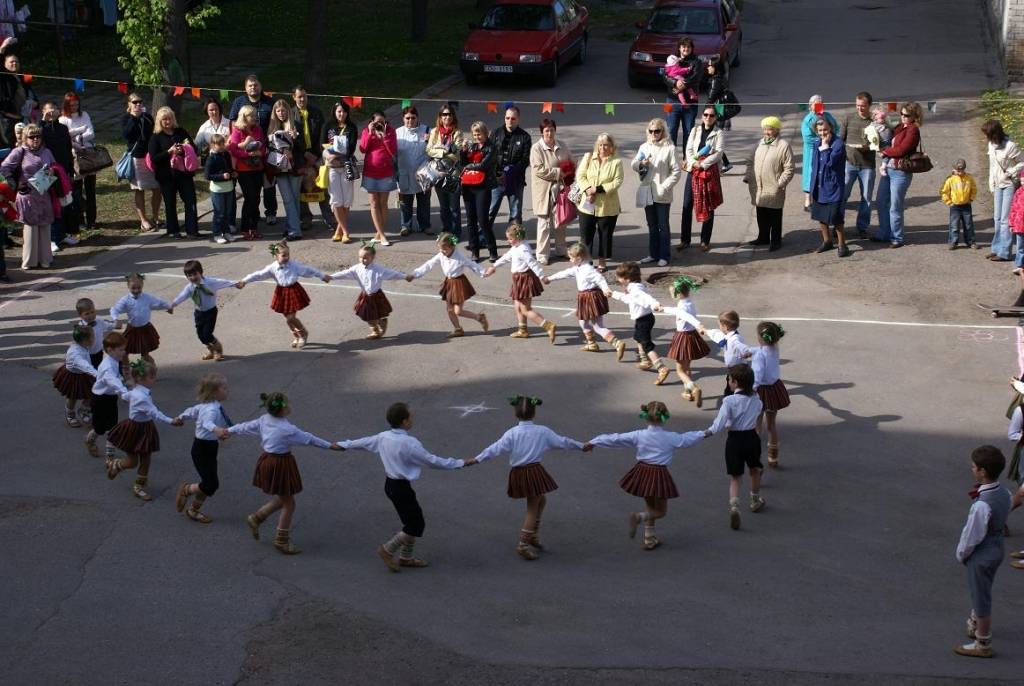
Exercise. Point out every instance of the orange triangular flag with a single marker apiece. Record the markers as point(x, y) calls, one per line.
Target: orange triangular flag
point(178, 90)
point(492, 107)
point(559, 107)
point(667, 107)
point(27, 78)
point(195, 93)
point(546, 107)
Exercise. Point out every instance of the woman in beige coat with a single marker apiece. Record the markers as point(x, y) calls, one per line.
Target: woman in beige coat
point(599, 174)
point(767, 177)
point(659, 172)
point(546, 182)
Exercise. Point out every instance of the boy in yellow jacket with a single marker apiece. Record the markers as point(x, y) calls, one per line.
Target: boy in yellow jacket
point(958, 191)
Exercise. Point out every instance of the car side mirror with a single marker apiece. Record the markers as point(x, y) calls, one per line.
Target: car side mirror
point(639, 24)
point(473, 26)
point(731, 27)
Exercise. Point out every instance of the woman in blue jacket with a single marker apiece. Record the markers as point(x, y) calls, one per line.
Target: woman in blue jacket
point(810, 137)
point(828, 174)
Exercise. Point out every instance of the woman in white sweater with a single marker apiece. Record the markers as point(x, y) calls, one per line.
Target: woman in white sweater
point(82, 136)
point(659, 172)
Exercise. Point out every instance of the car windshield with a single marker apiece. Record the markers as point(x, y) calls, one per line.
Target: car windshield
point(519, 18)
point(684, 20)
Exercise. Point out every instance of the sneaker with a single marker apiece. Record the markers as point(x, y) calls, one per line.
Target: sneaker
point(756, 503)
point(662, 263)
point(220, 240)
point(734, 518)
point(1017, 564)
point(70, 240)
point(404, 232)
point(974, 649)
point(54, 248)
point(647, 260)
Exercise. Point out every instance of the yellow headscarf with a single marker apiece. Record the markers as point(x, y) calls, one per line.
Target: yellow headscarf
point(772, 122)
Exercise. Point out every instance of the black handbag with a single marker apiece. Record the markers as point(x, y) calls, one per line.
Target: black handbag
point(731, 105)
point(916, 162)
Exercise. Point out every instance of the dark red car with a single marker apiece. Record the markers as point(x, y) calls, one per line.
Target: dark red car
point(714, 26)
point(533, 38)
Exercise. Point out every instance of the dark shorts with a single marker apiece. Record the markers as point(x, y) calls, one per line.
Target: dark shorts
point(401, 495)
point(206, 322)
point(104, 413)
point(742, 448)
point(642, 329)
point(204, 457)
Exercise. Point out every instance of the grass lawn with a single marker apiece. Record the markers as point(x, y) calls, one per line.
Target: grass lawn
point(1008, 109)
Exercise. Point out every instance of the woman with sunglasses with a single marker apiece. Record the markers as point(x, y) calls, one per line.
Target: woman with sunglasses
point(339, 145)
point(659, 172)
point(83, 137)
point(412, 154)
point(35, 209)
point(137, 128)
point(893, 186)
point(704, 150)
point(444, 142)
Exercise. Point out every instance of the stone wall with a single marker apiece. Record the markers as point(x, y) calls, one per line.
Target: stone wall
point(1006, 22)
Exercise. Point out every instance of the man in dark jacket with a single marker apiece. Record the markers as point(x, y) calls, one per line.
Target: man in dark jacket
point(311, 125)
point(57, 139)
point(513, 147)
point(691, 83)
point(255, 96)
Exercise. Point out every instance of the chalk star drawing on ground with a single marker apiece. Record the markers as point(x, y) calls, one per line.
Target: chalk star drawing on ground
point(471, 409)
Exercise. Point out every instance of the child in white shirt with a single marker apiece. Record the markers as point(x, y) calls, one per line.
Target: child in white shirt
point(736, 351)
point(140, 333)
point(526, 284)
point(767, 382)
point(86, 310)
point(526, 444)
point(209, 416)
point(403, 457)
point(687, 342)
point(202, 291)
point(456, 288)
point(74, 378)
point(591, 301)
point(642, 307)
point(372, 306)
point(106, 391)
point(649, 478)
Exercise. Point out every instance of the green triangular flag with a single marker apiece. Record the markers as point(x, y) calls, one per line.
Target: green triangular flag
point(609, 108)
point(223, 94)
point(720, 110)
point(406, 102)
point(932, 106)
point(803, 106)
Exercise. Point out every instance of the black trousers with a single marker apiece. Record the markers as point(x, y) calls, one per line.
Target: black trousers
point(642, 329)
point(180, 184)
point(603, 228)
point(251, 183)
point(85, 198)
point(401, 495)
point(96, 358)
point(769, 225)
point(206, 321)
point(478, 206)
point(104, 413)
point(204, 457)
point(686, 231)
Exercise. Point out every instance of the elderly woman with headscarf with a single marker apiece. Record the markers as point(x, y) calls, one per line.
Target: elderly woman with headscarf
point(768, 174)
point(810, 137)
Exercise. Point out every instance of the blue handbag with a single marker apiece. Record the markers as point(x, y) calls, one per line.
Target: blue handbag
point(125, 168)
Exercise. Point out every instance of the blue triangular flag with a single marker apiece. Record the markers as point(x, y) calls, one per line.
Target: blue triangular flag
point(80, 85)
point(507, 104)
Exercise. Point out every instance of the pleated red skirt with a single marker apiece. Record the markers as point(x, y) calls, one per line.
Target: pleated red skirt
point(525, 286)
point(774, 397)
point(142, 340)
point(277, 474)
point(370, 308)
point(137, 438)
point(289, 299)
point(688, 346)
point(591, 304)
point(73, 385)
point(456, 290)
point(649, 481)
point(529, 480)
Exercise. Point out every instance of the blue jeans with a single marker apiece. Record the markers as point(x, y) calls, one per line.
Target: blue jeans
point(958, 213)
point(451, 212)
point(1001, 239)
point(422, 202)
point(289, 186)
point(679, 114)
point(659, 234)
point(865, 177)
point(515, 203)
point(892, 192)
point(1018, 259)
point(221, 208)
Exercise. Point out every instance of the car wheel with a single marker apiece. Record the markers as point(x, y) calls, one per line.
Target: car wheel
point(634, 82)
point(551, 78)
point(581, 56)
point(736, 58)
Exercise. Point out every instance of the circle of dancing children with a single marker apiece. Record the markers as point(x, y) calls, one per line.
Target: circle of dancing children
point(456, 288)
point(403, 457)
point(526, 284)
point(649, 478)
point(137, 306)
point(209, 415)
point(525, 444)
point(372, 305)
point(137, 436)
point(642, 307)
point(591, 301)
point(202, 291)
point(740, 412)
point(688, 340)
point(75, 378)
point(770, 388)
point(277, 473)
point(289, 295)
point(105, 393)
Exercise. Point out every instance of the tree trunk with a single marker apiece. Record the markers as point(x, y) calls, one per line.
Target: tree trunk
point(175, 49)
point(419, 20)
point(315, 71)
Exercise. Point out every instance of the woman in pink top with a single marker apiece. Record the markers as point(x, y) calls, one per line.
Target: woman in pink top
point(248, 147)
point(379, 145)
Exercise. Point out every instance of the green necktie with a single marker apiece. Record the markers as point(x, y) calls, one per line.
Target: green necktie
point(200, 288)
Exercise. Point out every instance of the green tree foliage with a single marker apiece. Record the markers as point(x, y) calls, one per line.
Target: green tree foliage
point(143, 30)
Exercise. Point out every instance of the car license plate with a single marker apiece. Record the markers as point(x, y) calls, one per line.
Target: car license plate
point(498, 68)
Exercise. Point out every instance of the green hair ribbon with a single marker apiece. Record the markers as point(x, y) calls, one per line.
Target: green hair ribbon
point(680, 281)
point(278, 403)
point(138, 367)
point(646, 416)
point(451, 240)
point(370, 245)
point(274, 249)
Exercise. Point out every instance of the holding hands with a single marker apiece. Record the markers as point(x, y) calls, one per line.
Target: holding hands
point(326, 278)
point(409, 277)
point(240, 285)
point(336, 446)
point(489, 272)
point(177, 421)
point(222, 433)
point(470, 462)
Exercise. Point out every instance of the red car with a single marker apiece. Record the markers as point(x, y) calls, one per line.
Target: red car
point(533, 38)
point(714, 26)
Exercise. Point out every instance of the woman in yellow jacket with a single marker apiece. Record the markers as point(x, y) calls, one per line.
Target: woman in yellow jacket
point(599, 174)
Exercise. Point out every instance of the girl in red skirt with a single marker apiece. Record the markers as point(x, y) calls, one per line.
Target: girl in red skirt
point(456, 288)
point(76, 376)
point(138, 307)
point(591, 302)
point(771, 390)
point(137, 435)
point(372, 306)
point(289, 296)
point(526, 284)
point(525, 444)
point(276, 471)
point(649, 478)
point(687, 342)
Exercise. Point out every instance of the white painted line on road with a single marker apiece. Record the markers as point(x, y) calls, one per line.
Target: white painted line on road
point(713, 317)
point(42, 283)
